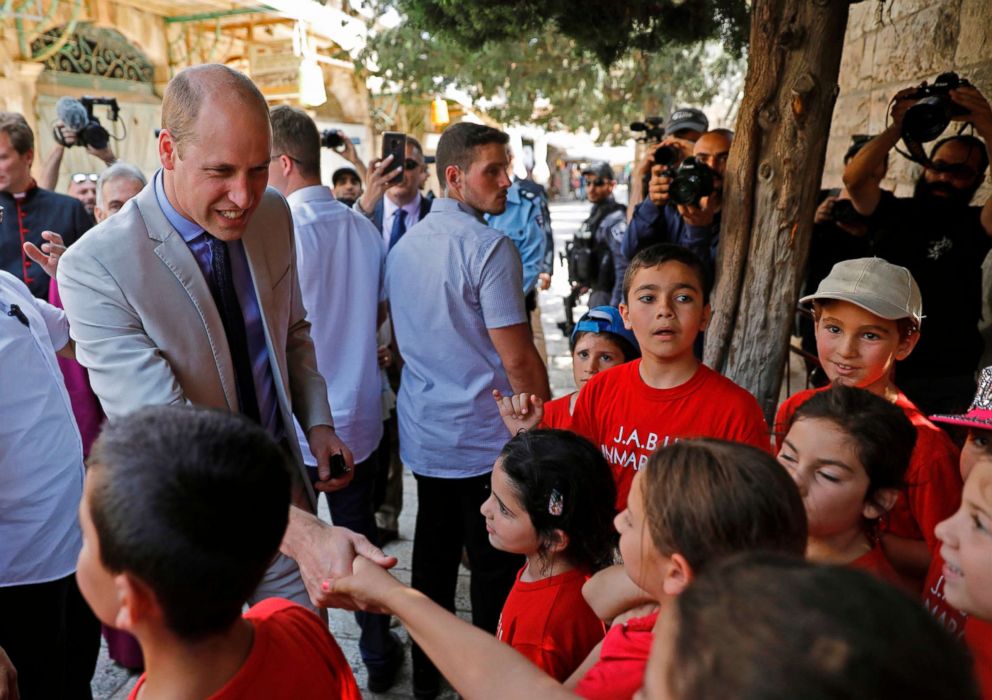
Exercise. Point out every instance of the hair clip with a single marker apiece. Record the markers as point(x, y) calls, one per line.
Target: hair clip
point(556, 504)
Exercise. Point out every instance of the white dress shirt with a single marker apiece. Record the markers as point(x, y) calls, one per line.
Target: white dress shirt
point(389, 209)
point(41, 453)
point(341, 259)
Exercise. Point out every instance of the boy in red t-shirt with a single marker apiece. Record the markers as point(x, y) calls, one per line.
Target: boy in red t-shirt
point(630, 411)
point(170, 556)
point(867, 314)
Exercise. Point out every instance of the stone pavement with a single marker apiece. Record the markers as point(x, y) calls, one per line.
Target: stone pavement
point(111, 682)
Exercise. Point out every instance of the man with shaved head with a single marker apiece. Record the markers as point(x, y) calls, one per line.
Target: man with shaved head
point(190, 296)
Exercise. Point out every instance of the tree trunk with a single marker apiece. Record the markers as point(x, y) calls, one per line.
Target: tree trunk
point(773, 176)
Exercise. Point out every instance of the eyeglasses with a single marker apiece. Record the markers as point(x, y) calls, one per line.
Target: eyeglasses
point(411, 164)
point(79, 178)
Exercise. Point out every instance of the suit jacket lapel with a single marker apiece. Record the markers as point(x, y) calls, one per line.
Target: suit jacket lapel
point(175, 254)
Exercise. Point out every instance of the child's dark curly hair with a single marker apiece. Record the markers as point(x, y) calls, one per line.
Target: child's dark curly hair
point(565, 484)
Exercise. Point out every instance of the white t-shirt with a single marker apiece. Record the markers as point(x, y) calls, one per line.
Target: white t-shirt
point(341, 261)
point(41, 453)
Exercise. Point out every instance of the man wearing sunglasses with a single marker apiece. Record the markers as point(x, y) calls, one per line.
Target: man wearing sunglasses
point(402, 206)
point(942, 240)
point(597, 240)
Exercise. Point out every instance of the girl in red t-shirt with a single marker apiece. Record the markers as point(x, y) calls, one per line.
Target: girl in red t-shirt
point(552, 501)
point(599, 341)
point(847, 450)
point(963, 583)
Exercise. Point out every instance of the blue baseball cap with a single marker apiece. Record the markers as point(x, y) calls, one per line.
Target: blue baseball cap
point(603, 319)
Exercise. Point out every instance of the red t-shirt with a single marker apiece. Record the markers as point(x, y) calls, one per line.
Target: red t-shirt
point(933, 598)
point(978, 637)
point(550, 623)
point(556, 413)
point(877, 564)
point(624, 655)
point(628, 420)
point(933, 482)
point(293, 655)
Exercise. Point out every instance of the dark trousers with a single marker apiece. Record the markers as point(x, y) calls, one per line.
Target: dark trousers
point(351, 507)
point(448, 519)
point(51, 637)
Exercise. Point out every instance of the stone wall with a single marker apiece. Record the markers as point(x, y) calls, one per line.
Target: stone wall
point(896, 45)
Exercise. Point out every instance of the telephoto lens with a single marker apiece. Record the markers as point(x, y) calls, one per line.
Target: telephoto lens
point(667, 156)
point(330, 138)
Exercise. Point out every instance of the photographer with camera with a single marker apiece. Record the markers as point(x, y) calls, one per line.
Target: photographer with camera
point(936, 234)
point(683, 204)
point(672, 144)
point(77, 126)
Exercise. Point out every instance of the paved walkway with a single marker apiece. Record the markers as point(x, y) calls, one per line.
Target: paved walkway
point(112, 682)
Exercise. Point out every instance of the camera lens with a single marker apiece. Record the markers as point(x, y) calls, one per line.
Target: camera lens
point(927, 119)
point(667, 155)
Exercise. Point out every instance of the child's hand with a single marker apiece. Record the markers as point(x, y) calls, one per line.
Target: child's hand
point(520, 412)
point(366, 588)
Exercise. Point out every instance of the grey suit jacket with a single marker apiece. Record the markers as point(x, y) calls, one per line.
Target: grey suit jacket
point(147, 328)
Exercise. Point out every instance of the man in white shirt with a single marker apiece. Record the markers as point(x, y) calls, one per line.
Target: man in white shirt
point(46, 628)
point(341, 262)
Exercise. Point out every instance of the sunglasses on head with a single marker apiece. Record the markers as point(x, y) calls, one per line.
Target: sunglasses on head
point(83, 177)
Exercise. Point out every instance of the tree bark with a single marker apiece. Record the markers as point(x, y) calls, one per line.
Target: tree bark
point(773, 176)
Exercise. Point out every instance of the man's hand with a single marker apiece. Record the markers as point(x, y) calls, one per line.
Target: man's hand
point(324, 442)
point(823, 212)
point(324, 554)
point(68, 135)
point(49, 253)
point(705, 212)
point(385, 356)
point(348, 152)
point(106, 154)
point(658, 186)
point(366, 588)
point(543, 281)
point(520, 412)
point(8, 678)
point(378, 182)
point(979, 111)
point(902, 101)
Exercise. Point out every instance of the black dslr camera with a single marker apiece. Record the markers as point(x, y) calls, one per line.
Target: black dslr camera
point(78, 115)
point(691, 182)
point(933, 109)
point(667, 156)
point(653, 128)
point(330, 138)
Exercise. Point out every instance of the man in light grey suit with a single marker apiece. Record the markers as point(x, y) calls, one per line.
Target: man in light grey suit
point(190, 295)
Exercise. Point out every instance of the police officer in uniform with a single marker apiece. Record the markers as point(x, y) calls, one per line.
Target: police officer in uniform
point(594, 259)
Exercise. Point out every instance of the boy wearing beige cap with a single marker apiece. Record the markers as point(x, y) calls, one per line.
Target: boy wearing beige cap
point(867, 315)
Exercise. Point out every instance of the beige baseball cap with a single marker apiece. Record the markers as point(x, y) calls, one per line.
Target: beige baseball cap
point(875, 285)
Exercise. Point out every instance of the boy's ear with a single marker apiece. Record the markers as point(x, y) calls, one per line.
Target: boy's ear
point(136, 602)
point(707, 315)
point(678, 575)
point(880, 504)
point(625, 315)
point(906, 345)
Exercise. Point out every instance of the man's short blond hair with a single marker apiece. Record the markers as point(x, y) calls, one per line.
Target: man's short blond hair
point(185, 92)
